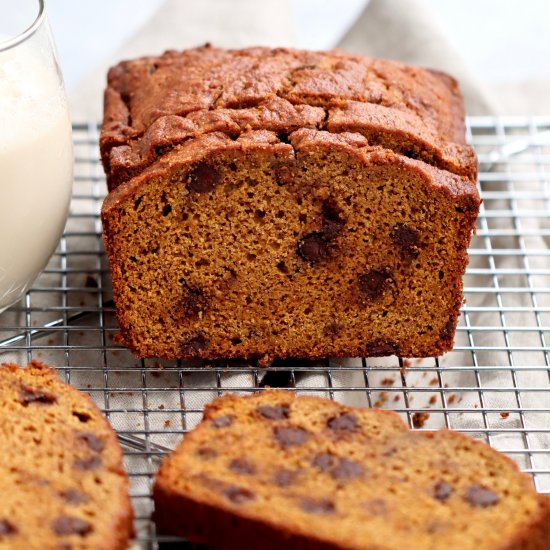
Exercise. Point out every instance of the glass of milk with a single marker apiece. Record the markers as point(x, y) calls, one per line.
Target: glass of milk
point(36, 158)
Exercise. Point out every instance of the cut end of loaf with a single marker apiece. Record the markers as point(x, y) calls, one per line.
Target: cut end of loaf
point(304, 245)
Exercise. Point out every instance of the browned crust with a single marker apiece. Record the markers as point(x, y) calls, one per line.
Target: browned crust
point(149, 108)
point(224, 527)
point(122, 528)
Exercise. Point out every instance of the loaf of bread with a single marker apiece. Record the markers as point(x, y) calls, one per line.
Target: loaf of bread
point(275, 471)
point(62, 483)
point(280, 203)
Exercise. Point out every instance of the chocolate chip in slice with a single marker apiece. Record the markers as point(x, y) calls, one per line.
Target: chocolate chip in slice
point(194, 344)
point(206, 452)
point(313, 248)
point(92, 441)
point(346, 469)
point(289, 436)
point(407, 240)
point(74, 497)
point(447, 329)
point(193, 299)
point(70, 525)
point(89, 463)
point(284, 478)
point(223, 421)
point(323, 462)
point(203, 178)
point(242, 466)
point(29, 395)
point(274, 412)
point(7, 528)
point(332, 221)
point(480, 496)
point(442, 490)
point(374, 283)
point(314, 506)
point(238, 495)
point(381, 348)
point(346, 422)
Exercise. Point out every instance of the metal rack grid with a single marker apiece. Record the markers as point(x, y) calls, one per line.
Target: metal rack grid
point(495, 385)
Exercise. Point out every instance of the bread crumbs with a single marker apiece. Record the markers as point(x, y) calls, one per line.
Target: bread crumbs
point(419, 419)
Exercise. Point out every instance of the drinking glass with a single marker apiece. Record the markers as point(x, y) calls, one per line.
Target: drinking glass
point(36, 158)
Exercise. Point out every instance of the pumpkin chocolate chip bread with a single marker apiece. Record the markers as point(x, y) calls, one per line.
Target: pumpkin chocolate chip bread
point(282, 203)
point(277, 471)
point(62, 483)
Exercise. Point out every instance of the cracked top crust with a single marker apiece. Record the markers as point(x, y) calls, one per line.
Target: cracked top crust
point(153, 104)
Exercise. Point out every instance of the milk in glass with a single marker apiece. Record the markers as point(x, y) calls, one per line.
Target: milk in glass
point(35, 163)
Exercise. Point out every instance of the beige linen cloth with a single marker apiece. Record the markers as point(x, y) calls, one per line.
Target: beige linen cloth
point(399, 29)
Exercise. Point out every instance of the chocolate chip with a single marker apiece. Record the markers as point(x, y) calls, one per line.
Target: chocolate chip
point(323, 462)
point(193, 299)
point(346, 469)
point(7, 528)
point(442, 490)
point(314, 506)
point(331, 220)
point(332, 329)
point(242, 466)
point(313, 248)
point(70, 525)
point(342, 468)
point(346, 422)
point(374, 283)
point(92, 441)
point(203, 178)
point(380, 348)
point(223, 421)
point(74, 497)
point(194, 344)
point(480, 496)
point(407, 240)
point(238, 495)
point(274, 412)
point(88, 463)
point(36, 395)
point(447, 329)
point(283, 477)
point(288, 436)
point(207, 452)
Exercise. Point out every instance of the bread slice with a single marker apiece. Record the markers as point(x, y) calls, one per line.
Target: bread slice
point(62, 483)
point(281, 203)
point(277, 471)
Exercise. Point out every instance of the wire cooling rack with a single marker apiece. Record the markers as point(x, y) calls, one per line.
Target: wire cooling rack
point(495, 385)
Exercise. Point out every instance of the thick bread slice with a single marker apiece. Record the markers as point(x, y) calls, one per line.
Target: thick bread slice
point(275, 471)
point(62, 483)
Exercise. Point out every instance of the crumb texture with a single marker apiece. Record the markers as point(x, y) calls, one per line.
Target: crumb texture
point(275, 471)
point(62, 482)
point(258, 210)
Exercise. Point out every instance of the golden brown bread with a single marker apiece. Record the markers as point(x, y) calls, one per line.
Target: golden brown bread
point(62, 482)
point(277, 471)
point(281, 203)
